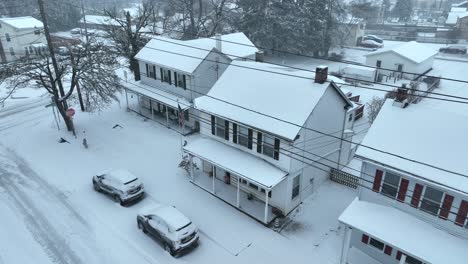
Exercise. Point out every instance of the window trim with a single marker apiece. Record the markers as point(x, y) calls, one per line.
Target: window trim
point(397, 186)
point(295, 194)
point(423, 197)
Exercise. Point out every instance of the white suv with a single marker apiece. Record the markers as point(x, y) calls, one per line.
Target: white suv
point(121, 185)
point(168, 225)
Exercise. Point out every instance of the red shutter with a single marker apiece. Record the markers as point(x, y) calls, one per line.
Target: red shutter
point(377, 180)
point(398, 255)
point(416, 195)
point(365, 239)
point(446, 206)
point(403, 189)
point(388, 250)
point(462, 213)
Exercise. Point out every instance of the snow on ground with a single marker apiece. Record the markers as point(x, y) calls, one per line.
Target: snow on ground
point(52, 183)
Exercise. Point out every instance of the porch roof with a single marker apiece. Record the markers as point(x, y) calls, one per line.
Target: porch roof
point(166, 98)
point(406, 232)
point(241, 163)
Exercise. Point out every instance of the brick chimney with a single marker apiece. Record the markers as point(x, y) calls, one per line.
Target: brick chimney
point(321, 74)
point(259, 56)
point(219, 45)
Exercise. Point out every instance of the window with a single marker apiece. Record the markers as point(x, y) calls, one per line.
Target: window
point(12, 51)
point(411, 260)
point(263, 191)
point(390, 184)
point(166, 75)
point(253, 186)
point(243, 181)
point(269, 146)
point(296, 186)
point(243, 136)
point(220, 129)
point(431, 200)
point(37, 31)
point(152, 71)
point(379, 64)
point(7, 36)
point(377, 244)
point(350, 118)
point(400, 67)
point(179, 80)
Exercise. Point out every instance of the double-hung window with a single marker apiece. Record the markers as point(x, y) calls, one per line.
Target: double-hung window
point(376, 244)
point(220, 127)
point(243, 136)
point(268, 145)
point(431, 201)
point(296, 187)
point(166, 76)
point(390, 184)
point(180, 80)
point(152, 71)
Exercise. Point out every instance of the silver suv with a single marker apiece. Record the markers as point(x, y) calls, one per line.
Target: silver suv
point(165, 223)
point(121, 185)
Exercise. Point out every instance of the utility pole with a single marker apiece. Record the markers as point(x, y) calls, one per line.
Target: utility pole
point(84, 21)
point(58, 80)
point(78, 89)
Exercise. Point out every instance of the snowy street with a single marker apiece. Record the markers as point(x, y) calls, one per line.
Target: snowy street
point(51, 210)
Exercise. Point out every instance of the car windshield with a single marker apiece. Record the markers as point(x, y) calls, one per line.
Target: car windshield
point(178, 229)
point(131, 181)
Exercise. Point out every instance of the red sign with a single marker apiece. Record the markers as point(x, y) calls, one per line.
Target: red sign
point(70, 112)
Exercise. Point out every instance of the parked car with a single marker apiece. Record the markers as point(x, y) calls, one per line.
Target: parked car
point(75, 31)
point(368, 43)
point(121, 185)
point(63, 51)
point(454, 49)
point(168, 225)
point(374, 38)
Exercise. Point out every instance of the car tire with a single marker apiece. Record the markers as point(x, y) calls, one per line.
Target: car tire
point(169, 250)
point(116, 198)
point(96, 187)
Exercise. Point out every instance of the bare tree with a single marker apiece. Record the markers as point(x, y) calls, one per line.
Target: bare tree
point(373, 108)
point(93, 68)
point(128, 36)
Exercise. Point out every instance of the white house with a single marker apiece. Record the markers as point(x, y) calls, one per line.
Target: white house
point(409, 212)
point(408, 60)
point(20, 37)
point(259, 123)
point(455, 14)
point(175, 72)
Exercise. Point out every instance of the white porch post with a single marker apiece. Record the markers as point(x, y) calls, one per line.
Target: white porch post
point(238, 186)
point(126, 97)
point(167, 116)
point(191, 167)
point(265, 220)
point(213, 178)
point(346, 244)
point(403, 259)
point(152, 110)
point(139, 103)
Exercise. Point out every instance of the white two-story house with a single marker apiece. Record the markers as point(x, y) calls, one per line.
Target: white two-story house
point(175, 72)
point(260, 128)
point(21, 37)
point(406, 211)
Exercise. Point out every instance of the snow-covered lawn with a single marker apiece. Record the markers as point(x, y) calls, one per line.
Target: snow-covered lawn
point(46, 185)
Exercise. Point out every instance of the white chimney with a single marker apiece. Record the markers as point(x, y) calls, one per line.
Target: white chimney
point(219, 45)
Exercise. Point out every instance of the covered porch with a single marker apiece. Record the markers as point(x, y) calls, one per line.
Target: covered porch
point(159, 106)
point(236, 177)
point(390, 235)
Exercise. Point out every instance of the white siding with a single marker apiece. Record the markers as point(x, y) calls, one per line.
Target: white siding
point(19, 39)
point(366, 194)
point(390, 61)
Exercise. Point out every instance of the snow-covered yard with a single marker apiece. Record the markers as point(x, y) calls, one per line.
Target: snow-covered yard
point(53, 213)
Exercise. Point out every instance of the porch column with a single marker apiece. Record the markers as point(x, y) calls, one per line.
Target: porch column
point(238, 186)
point(191, 167)
point(403, 259)
point(266, 206)
point(213, 178)
point(346, 244)
point(139, 103)
point(167, 116)
point(152, 111)
point(126, 97)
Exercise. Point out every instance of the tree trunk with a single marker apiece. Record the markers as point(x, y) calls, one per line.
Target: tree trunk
point(135, 67)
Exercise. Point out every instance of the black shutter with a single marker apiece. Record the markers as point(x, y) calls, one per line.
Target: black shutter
point(162, 76)
point(170, 77)
point(154, 72)
point(185, 83)
point(234, 132)
point(147, 70)
point(226, 129)
point(249, 143)
point(213, 125)
point(175, 78)
point(277, 149)
point(259, 142)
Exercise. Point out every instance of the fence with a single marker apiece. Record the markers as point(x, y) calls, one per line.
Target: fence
point(344, 178)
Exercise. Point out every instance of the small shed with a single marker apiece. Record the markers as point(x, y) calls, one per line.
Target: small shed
point(407, 60)
point(356, 73)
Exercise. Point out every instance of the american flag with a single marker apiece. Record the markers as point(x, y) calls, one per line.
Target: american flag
point(181, 116)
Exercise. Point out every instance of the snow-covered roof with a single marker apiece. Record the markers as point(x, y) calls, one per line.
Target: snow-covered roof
point(421, 133)
point(421, 239)
point(187, 55)
point(22, 22)
point(173, 217)
point(412, 50)
point(121, 175)
point(456, 13)
point(239, 162)
point(359, 70)
point(460, 4)
point(100, 20)
point(257, 91)
point(160, 95)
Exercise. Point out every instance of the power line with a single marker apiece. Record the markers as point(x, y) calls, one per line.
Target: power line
point(314, 57)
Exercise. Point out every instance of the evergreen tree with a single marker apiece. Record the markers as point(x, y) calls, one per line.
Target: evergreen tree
point(403, 9)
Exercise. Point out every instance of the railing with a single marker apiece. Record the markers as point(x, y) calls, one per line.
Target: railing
point(344, 178)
